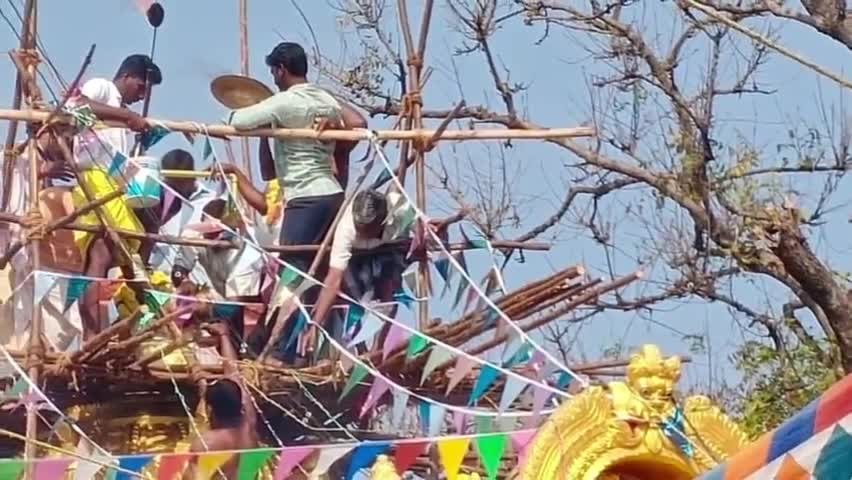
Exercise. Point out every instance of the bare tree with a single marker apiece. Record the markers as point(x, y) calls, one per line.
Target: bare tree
point(705, 207)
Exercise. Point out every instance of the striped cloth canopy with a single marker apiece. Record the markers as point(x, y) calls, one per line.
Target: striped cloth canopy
point(815, 444)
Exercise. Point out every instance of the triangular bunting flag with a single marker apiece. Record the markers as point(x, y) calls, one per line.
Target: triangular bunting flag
point(87, 470)
point(565, 380)
point(353, 316)
point(416, 344)
point(210, 463)
point(400, 402)
point(370, 326)
point(171, 466)
point(511, 390)
point(186, 210)
point(301, 323)
point(470, 301)
point(452, 454)
point(153, 135)
point(76, 289)
point(404, 298)
point(11, 468)
point(464, 364)
point(132, 464)
point(117, 163)
point(442, 265)
point(484, 425)
point(521, 442)
point(364, 456)
point(790, 470)
point(157, 299)
point(517, 351)
point(405, 454)
point(537, 363)
point(436, 419)
point(326, 459)
point(49, 469)
point(491, 448)
point(540, 398)
point(289, 459)
point(168, 200)
point(410, 279)
point(208, 149)
point(377, 391)
point(459, 422)
point(437, 357)
point(487, 376)
point(834, 461)
point(44, 283)
point(358, 374)
point(396, 337)
point(251, 462)
point(425, 410)
point(463, 285)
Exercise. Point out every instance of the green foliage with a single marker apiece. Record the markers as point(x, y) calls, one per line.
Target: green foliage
point(775, 386)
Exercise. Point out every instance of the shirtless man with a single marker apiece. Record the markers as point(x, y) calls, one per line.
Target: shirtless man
point(231, 413)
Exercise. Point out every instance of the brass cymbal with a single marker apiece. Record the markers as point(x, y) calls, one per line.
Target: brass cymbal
point(238, 91)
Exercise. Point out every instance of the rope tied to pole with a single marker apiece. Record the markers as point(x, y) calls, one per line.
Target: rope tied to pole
point(35, 228)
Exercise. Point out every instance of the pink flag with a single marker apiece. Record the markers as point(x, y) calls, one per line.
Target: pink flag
point(377, 390)
point(459, 419)
point(52, 468)
point(540, 397)
point(289, 459)
point(144, 5)
point(397, 336)
point(521, 442)
point(464, 365)
point(168, 200)
point(537, 363)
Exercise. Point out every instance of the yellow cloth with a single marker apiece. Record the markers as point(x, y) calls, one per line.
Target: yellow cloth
point(274, 195)
point(116, 212)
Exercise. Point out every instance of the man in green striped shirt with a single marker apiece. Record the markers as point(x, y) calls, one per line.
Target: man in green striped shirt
point(303, 167)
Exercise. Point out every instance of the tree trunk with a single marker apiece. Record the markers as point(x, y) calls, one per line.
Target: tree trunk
point(820, 284)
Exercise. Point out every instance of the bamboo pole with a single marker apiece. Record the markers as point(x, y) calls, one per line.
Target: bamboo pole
point(17, 97)
point(311, 134)
point(58, 224)
point(35, 348)
point(199, 242)
point(244, 69)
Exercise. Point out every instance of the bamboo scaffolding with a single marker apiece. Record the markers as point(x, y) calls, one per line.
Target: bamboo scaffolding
point(198, 242)
point(306, 133)
point(35, 347)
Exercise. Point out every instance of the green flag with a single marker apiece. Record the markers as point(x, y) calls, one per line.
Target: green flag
point(358, 374)
point(252, 462)
point(416, 345)
point(11, 469)
point(491, 448)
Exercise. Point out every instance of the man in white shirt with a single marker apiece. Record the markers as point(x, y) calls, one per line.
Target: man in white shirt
point(94, 151)
point(235, 274)
point(371, 220)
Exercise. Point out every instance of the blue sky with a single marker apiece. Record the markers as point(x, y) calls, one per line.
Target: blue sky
point(199, 40)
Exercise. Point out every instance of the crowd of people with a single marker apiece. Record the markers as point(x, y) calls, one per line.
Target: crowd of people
point(305, 184)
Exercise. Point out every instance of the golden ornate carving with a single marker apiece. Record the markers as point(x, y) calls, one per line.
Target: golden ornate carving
point(617, 431)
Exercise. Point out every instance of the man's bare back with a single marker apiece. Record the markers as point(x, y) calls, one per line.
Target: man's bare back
point(232, 415)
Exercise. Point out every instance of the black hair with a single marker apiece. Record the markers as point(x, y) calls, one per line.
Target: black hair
point(369, 207)
point(139, 66)
point(291, 56)
point(225, 399)
point(177, 159)
point(215, 208)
